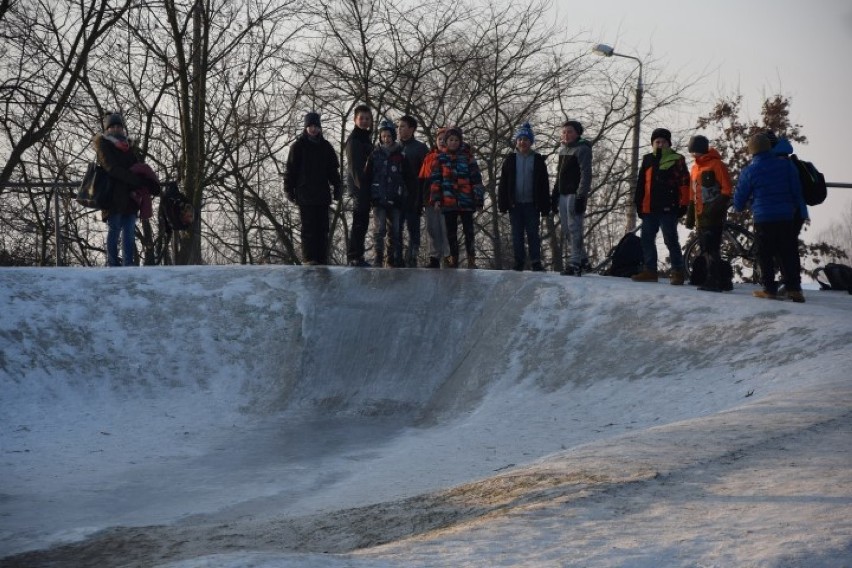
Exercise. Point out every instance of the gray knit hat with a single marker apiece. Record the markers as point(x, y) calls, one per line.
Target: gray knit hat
point(113, 119)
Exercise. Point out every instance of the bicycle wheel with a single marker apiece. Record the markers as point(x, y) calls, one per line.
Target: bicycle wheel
point(691, 251)
point(739, 248)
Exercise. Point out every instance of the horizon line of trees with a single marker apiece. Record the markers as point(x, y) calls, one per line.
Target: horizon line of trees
point(214, 91)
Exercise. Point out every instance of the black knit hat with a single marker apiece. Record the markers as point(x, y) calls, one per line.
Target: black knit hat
point(773, 138)
point(578, 128)
point(661, 133)
point(698, 144)
point(113, 119)
point(312, 119)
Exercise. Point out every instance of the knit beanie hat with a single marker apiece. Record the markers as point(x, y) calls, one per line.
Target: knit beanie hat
point(112, 120)
point(578, 128)
point(312, 119)
point(389, 126)
point(758, 143)
point(661, 133)
point(525, 131)
point(698, 144)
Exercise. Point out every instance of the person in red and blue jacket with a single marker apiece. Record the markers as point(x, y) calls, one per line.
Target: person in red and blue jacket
point(456, 189)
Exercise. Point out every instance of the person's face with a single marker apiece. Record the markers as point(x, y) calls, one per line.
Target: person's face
point(116, 129)
point(660, 143)
point(523, 144)
point(441, 141)
point(453, 143)
point(313, 130)
point(569, 135)
point(405, 132)
point(364, 120)
point(385, 138)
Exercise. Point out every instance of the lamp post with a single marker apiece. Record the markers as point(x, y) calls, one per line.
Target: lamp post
point(607, 51)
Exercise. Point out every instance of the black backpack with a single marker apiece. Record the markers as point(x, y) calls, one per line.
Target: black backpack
point(626, 257)
point(814, 189)
point(839, 277)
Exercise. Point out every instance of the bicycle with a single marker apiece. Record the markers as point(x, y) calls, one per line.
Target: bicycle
point(738, 243)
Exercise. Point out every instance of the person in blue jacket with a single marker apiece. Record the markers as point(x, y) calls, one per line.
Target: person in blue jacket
point(770, 186)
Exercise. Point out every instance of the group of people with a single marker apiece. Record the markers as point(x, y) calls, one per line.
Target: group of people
point(769, 185)
point(400, 179)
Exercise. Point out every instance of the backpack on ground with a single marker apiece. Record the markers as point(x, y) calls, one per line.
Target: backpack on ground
point(626, 257)
point(839, 277)
point(698, 273)
point(814, 189)
point(176, 211)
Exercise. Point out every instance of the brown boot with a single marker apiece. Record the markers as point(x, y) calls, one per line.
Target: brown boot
point(796, 296)
point(451, 262)
point(676, 278)
point(645, 276)
point(764, 294)
point(471, 262)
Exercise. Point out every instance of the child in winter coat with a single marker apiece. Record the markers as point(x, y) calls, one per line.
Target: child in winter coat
point(436, 228)
point(389, 177)
point(710, 194)
point(457, 190)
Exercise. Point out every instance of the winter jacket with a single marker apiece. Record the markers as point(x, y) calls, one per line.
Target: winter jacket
point(574, 169)
point(783, 149)
point(663, 183)
point(425, 176)
point(506, 185)
point(115, 155)
point(388, 176)
point(312, 176)
point(772, 186)
point(357, 150)
point(456, 182)
point(150, 187)
point(415, 152)
point(710, 190)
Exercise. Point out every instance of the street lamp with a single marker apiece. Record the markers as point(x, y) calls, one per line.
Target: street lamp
point(607, 51)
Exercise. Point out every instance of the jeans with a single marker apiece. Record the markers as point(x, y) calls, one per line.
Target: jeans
point(572, 228)
point(651, 224)
point(524, 220)
point(382, 217)
point(436, 229)
point(126, 226)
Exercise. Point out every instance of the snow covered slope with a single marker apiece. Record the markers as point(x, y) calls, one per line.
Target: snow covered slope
point(262, 416)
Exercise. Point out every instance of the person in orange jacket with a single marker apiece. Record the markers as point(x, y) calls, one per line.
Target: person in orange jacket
point(661, 198)
point(710, 192)
point(436, 229)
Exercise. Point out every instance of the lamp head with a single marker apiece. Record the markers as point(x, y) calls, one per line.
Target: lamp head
point(603, 49)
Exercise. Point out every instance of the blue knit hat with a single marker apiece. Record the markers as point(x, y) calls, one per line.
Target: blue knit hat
point(525, 131)
point(388, 125)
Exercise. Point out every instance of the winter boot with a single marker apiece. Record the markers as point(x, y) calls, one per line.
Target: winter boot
point(518, 267)
point(451, 262)
point(676, 278)
point(537, 266)
point(434, 262)
point(645, 276)
point(765, 294)
point(572, 270)
point(471, 261)
point(796, 296)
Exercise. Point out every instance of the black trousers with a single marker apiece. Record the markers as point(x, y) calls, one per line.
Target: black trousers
point(778, 240)
point(451, 218)
point(315, 228)
point(710, 241)
point(360, 226)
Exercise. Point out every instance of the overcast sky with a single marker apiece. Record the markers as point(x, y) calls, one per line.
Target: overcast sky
point(759, 48)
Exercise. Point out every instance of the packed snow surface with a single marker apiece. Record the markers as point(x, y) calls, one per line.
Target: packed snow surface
point(266, 416)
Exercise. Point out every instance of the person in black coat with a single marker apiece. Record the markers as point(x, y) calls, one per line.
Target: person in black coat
point(312, 180)
point(524, 192)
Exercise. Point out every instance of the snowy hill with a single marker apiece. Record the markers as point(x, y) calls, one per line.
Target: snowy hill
point(330, 417)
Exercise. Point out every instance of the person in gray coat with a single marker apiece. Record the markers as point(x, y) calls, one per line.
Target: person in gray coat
point(571, 192)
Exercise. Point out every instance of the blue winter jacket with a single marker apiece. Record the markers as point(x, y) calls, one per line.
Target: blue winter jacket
point(783, 148)
point(772, 185)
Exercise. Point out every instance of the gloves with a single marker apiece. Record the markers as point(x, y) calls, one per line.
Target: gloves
point(690, 217)
point(580, 205)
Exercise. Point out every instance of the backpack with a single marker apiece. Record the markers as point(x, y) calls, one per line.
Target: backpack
point(626, 257)
point(173, 206)
point(698, 273)
point(814, 189)
point(839, 277)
